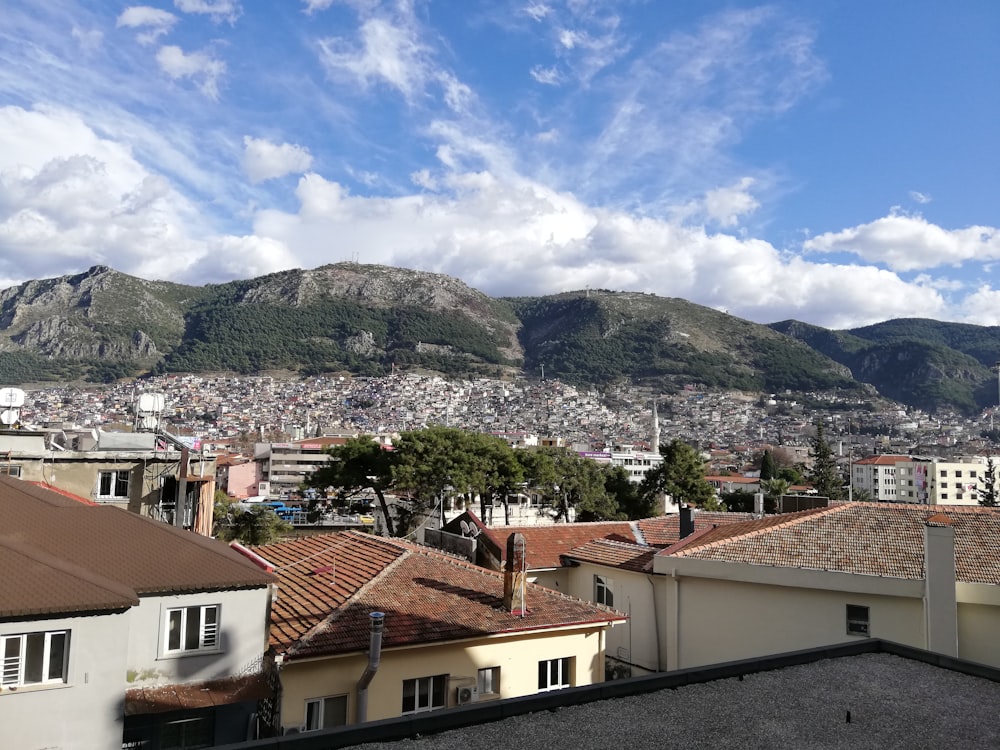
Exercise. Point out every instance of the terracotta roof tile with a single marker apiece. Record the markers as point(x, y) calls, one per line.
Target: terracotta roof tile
point(881, 539)
point(615, 554)
point(329, 584)
point(662, 531)
point(546, 543)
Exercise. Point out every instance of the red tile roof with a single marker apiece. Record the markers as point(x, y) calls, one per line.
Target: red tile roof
point(662, 531)
point(881, 539)
point(615, 554)
point(546, 543)
point(329, 584)
point(86, 557)
point(883, 459)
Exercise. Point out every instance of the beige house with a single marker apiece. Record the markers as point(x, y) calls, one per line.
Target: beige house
point(923, 577)
point(368, 628)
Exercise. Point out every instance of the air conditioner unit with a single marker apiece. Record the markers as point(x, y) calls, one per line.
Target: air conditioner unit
point(465, 695)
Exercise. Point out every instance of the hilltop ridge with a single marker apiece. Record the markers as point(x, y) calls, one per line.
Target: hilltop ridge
point(368, 319)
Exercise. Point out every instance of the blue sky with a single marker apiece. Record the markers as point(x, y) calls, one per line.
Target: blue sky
point(832, 162)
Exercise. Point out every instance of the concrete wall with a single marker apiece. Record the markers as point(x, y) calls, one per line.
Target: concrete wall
point(517, 657)
point(83, 714)
point(715, 621)
point(243, 622)
point(634, 644)
point(978, 623)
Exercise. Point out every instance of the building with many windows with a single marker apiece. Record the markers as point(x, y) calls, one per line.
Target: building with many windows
point(935, 482)
point(875, 476)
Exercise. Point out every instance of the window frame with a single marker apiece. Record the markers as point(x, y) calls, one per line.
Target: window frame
point(429, 688)
point(208, 633)
point(561, 669)
point(118, 479)
point(488, 681)
point(320, 714)
point(858, 620)
point(18, 665)
point(603, 591)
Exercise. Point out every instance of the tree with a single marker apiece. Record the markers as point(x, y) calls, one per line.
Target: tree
point(357, 465)
point(768, 466)
point(773, 490)
point(253, 526)
point(430, 463)
point(825, 478)
point(496, 472)
point(989, 493)
point(680, 475)
point(631, 503)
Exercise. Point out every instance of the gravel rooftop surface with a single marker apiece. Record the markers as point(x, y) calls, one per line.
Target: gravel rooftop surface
point(893, 702)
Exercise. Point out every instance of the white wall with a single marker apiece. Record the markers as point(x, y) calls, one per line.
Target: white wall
point(243, 622)
point(88, 711)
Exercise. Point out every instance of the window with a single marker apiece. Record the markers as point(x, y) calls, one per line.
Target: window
point(10, 470)
point(192, 629)
point(857, 620)
point(554, 674)
point(184, 734)
point(34, 658)
point(323, 713)
point(488, 681)
point(424, 694)
point(113, 484)
point(602, 591)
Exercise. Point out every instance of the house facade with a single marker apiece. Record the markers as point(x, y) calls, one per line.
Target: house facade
point(133, 632)
point(905, 573)
point(370, 628)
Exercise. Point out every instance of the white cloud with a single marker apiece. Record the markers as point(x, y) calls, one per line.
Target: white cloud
point(314, 5)
point(197, 65)
point(263, 160)
point(910, 243)
point(982, 307)
point(218, 10)
point(154, 22)
point(89, 40)
point(519, 237)
point(727, 205)
point(386, 52)
point(70, 198)
point(548, 76)
point(919, 197)
point(537, 11)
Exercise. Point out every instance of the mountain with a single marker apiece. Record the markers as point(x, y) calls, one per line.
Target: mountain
point(916, 361)
point(367, 319)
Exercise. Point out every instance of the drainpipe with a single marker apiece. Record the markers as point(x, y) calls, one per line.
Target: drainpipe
point(374, 655)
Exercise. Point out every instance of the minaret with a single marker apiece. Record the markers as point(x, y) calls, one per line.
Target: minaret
point(656, 429)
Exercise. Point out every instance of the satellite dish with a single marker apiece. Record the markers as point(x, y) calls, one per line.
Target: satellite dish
point(11, 397)
point(8, 416)
point(465, 528)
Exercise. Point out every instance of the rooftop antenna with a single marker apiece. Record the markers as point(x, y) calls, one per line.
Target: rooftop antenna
point(11, 401)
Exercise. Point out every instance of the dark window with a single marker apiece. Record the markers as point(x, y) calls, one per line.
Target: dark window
point(857, 620)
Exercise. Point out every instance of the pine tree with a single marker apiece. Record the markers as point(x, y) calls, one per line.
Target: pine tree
point(989, 494)
point(768, 466)
point(824, 476)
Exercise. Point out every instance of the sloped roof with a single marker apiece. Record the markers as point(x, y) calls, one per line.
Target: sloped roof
point(879, 539)
point(662, 531)
point(545, 544)
point(330, 584)
point(86, 555)
point(882, 459)
point(615, 554)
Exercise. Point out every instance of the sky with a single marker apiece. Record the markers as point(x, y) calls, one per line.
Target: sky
point(834, 162)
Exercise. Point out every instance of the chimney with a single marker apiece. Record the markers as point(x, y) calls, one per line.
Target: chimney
point(515, 576)
point(374, 657)
point(687, 521)
point(758, 504)
point(940, 605)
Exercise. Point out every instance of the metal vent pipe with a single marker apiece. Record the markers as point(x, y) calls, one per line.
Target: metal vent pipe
point(374, 656)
